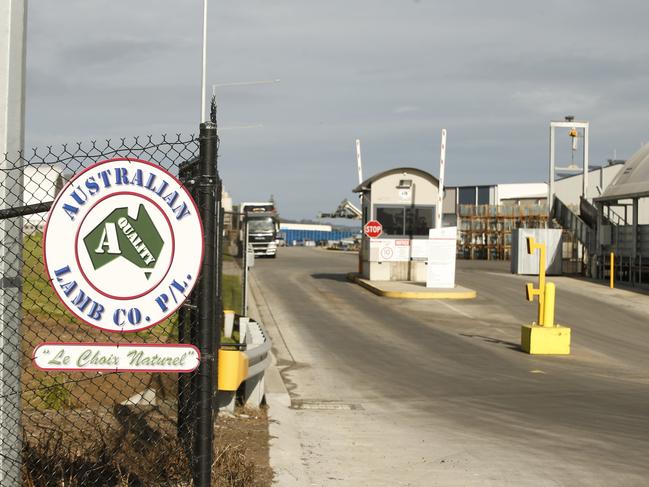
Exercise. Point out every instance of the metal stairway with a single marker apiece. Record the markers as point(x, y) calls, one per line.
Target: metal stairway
point(570, 221)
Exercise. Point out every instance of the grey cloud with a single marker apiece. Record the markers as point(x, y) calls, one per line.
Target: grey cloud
point(110, 52)
point(391, 73)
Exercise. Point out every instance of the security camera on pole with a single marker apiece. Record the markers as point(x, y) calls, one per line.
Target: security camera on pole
point(443, 241)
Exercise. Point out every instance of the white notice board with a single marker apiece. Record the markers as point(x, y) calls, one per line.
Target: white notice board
point(389, 250)
point(441, 257)
point(398, 250)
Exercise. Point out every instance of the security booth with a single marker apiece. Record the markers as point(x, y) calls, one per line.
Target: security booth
point(403, 200)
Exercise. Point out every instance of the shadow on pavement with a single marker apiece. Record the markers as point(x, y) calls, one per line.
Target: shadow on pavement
point(511, 345)
point(331, 277)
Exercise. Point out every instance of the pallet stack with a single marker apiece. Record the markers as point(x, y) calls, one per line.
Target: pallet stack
point(485, 231)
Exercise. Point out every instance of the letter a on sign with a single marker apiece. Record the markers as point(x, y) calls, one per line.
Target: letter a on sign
point(108, 239)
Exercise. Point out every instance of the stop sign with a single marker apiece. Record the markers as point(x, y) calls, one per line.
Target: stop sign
point(373, 229)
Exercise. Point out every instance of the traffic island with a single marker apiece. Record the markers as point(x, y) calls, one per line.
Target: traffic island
point(410, 289)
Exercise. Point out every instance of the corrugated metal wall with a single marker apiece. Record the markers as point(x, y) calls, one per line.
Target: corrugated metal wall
point(624, 240)
point(298, 237)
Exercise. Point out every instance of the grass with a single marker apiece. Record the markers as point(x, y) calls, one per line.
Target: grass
point(231, 291)
point(122, 458)
point(54, 393)
point(38, 295)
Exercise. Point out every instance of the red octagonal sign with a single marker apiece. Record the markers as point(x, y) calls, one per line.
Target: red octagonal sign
point(373, 228)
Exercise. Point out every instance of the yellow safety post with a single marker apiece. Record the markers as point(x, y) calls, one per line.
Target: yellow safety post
point(543, 337)
point(548, 313)
point(612, 277)
point(532, 247)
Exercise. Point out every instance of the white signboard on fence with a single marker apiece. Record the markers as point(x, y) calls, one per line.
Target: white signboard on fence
point(112, 357)
point(389, 250)
point(441, 257)
point(399, 250)
point(420, 249)
point(123, 245)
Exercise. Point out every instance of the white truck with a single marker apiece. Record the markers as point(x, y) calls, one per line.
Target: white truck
point(262, 222)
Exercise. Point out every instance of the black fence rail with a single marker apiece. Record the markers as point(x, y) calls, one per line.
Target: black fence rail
point(90, 428)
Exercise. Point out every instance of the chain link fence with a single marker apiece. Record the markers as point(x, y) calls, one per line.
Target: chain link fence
point(87, 428)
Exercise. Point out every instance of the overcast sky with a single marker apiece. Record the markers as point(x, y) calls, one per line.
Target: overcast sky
point(392, 73)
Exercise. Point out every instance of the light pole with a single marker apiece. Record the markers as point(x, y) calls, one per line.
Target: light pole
point(204, 64)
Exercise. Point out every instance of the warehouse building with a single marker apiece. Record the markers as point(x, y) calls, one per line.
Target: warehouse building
point(293, 234)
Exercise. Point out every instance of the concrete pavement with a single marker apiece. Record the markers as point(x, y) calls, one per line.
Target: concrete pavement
point(397, 392)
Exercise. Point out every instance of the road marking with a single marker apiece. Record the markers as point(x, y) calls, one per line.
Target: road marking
point(537, 371)
point(325, 405)
point(457, 310)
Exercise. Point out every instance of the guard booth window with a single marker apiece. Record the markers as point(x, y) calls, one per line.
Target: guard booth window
point(392, 220)
point(419, 221)
point(405, 221)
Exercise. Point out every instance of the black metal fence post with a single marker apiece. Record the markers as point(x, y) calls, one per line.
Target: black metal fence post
point(208, 326)
point(244, 259)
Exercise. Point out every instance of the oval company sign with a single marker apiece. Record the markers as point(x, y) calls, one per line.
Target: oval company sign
point(123, 245)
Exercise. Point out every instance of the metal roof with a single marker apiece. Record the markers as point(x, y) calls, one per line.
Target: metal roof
point(632, 181)
point(365, 185)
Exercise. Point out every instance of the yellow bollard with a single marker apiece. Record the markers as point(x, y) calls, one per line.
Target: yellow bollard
point(542, 266)
point(548, 313)
point(544, 337)
point(532, 247)
point(612, 270)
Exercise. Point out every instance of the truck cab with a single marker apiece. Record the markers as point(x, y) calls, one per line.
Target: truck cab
point(262, 223)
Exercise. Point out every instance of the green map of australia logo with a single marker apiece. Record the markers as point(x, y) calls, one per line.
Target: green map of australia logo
point(119, 236)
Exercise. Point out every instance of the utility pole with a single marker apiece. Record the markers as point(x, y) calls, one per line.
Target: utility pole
point(440, 190)
point(13, 20)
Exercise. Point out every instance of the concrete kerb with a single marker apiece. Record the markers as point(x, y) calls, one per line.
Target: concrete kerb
point(410, 290)
point(285, 447)
point(340, 252)
point(274, 383)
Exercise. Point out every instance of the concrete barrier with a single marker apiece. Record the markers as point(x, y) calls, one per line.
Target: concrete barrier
point(228, 322)
point(241, 372)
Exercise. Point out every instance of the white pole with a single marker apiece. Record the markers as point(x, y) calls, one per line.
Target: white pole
point(359, 167)
point(204, 74)
point(440, 190)
point(359, 162)
point(585, 180)
point(245, 270)
point(13, 19)
point(551, 178)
